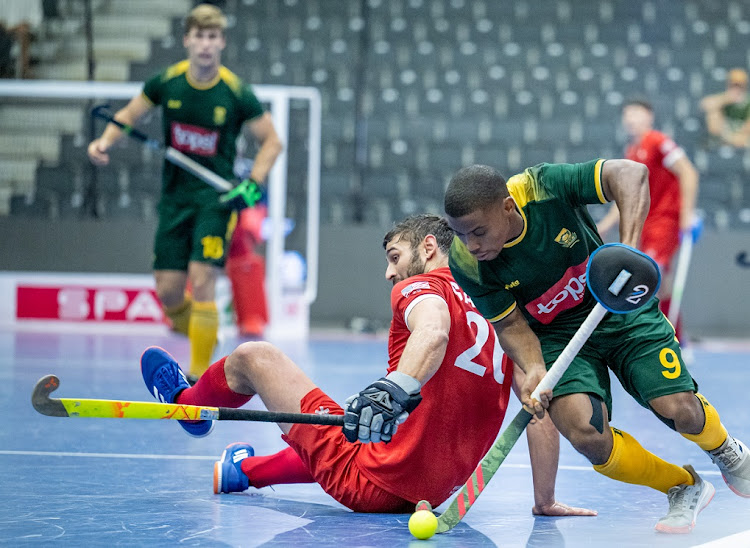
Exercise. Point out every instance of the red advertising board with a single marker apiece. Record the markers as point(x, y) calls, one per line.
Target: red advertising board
point(76, 303)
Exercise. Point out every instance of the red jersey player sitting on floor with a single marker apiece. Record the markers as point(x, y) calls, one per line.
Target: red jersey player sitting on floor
point(447, 381)
point(673, 186)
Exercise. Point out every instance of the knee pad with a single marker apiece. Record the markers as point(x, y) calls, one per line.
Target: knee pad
point(597, 415)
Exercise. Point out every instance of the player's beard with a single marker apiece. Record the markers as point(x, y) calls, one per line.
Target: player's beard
point(416, 265)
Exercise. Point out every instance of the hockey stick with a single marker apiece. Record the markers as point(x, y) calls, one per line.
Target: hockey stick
point(680, 275)
point(621, 279)
point(172, 155)
point(113, 409)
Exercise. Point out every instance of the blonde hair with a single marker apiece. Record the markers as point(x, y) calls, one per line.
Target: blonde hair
point(737, 76)
point(205, 16)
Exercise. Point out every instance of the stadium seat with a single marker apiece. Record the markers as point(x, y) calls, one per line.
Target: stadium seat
point(444, 82)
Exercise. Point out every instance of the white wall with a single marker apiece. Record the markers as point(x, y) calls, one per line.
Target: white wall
point(352, 267)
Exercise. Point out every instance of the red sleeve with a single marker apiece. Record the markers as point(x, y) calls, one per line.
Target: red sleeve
point(409, 292)
point(663, 147)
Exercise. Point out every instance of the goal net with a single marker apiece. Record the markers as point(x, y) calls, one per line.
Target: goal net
point(46, 126)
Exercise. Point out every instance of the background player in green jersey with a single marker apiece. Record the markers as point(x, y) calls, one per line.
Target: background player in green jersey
point(728, 112)
point(520, 254)
point(204, 109)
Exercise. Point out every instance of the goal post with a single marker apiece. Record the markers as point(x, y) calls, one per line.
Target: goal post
point(288, 311)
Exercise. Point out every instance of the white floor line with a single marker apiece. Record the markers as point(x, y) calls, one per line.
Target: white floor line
point(214, 457)
point(107, 455)
point(732, 541)
point(590, 469)
point(722, 345)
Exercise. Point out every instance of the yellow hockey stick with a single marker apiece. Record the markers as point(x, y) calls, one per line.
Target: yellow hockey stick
point(117, 409)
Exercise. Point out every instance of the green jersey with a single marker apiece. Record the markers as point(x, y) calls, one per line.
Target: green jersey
point(737, 113)
point(543, 270)
point(202, 120)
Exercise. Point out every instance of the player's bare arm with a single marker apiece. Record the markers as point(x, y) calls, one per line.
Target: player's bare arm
point(367, 420)
point(609, 221)
point(687, 175)
point(626, 183)
point(374, 414)
point(522, 346)
point(129, 114)
point(745, 130)
point(712, 105)
point(740, 137)
point(715, 101)
point(264, 132)
point(544, 452)
point(429, 322)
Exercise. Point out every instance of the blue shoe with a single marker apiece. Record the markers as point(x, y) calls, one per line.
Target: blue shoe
point(228, 474)
point(165, 380)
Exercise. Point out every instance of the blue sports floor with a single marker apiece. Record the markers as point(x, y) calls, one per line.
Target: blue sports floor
point(97, 482)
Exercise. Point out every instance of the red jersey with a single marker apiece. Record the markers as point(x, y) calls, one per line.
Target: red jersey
point(443, 440)
point(658, 152)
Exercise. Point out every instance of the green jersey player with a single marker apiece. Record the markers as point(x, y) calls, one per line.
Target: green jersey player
point(520, 253)
point(204, 107)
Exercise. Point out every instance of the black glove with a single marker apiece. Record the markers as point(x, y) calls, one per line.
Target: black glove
point(374, 414)
point(246, 194)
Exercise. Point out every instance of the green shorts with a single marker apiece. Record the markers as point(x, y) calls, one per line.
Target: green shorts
point(190, 232)
point(641, 350)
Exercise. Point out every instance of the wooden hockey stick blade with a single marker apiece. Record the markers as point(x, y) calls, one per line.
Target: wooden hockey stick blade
point(115, 409)
point(483, 473)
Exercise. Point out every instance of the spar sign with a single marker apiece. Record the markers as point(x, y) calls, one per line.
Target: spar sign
point(80, 299)
point(92, 304)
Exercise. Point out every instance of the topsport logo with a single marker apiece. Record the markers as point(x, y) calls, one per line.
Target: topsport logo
point(194, 139)
point(565, 294)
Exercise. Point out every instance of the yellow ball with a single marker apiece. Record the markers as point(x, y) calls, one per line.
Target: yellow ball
point(423, 524)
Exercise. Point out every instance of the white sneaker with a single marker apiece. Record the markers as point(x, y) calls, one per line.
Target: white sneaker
point(685, 502)
point(733, 459)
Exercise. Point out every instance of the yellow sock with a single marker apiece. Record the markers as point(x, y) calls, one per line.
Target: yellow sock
point(713, 433)
point(180, 315)
point(203, 331)
point(631, 463)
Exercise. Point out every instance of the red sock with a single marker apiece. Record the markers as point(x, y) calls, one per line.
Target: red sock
point(212, 390)
point(282, 467)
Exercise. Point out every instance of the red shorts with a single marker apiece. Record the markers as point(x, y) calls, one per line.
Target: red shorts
point(660, 240)
point(332, 462)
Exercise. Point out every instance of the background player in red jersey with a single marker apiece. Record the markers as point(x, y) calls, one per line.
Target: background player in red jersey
point(446, 372)
point(204, 109)
point(673, 187)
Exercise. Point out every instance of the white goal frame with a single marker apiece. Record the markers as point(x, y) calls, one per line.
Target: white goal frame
point(279, 98)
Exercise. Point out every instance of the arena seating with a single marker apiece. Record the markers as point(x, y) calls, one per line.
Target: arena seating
point(441, 83)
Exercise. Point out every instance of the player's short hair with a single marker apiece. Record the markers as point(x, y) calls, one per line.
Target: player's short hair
point(205, 16)
point(416, 228)
point(473, 188)
point(639, 102)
